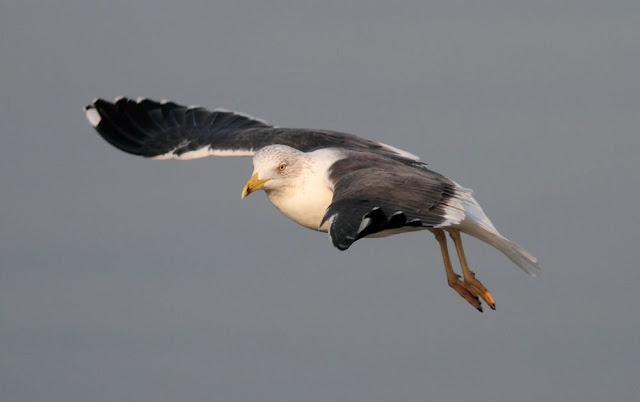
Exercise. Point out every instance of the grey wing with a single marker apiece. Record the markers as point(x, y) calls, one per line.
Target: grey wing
point(166, 130)
point(373, 193)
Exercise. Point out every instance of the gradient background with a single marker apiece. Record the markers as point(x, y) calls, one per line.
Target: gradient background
point(123, 279)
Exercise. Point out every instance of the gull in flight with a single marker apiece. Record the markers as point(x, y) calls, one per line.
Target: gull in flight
point(324, 180)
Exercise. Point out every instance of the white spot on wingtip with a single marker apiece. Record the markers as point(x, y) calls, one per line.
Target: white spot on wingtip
point(93, 116)
point(364, 224)
point(164, 101)
point(140, 99)
point(118, 99)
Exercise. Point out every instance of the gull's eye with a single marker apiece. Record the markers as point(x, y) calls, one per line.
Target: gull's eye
point(282, 167)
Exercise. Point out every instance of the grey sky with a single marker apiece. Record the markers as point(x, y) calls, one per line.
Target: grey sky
point(123, 279)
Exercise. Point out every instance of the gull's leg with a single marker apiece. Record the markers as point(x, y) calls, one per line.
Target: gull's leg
point(452, 278)
point(471, 283)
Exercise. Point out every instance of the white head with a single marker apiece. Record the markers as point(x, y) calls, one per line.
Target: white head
point(275, 167)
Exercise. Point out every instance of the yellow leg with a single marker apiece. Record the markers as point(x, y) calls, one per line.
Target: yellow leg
point(471, 283)
point(452, 278)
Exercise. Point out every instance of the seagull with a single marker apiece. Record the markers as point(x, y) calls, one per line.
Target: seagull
point(324, 180)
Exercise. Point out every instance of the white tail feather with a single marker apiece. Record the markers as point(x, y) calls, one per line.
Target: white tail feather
point(517, 254)
point(478, 225)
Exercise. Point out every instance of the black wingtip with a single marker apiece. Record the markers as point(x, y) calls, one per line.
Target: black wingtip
point(113, 125)
point(149, 128)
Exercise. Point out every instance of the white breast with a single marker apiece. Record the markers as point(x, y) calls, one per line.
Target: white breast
point(307, 201)
point(306, 205)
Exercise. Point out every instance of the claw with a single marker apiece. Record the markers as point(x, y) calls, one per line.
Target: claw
point(479, 290)
point(463, 290)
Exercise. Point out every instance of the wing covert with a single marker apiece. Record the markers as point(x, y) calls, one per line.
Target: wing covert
point(374, 194)
point(167, 130)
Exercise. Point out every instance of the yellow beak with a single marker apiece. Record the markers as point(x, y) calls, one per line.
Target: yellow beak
point(253, 184)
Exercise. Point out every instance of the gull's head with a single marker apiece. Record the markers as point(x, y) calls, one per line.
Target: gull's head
point(275, 167)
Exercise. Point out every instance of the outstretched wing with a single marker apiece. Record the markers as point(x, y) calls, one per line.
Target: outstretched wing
point(373, 193)
point(166, 130)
